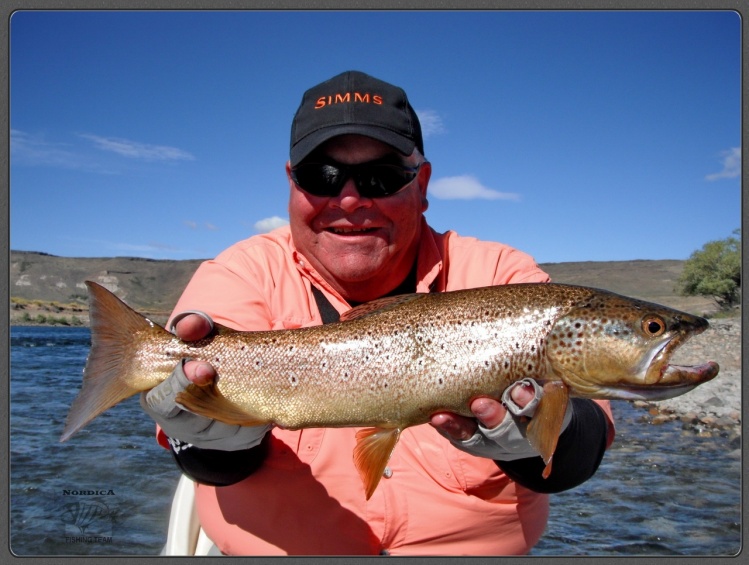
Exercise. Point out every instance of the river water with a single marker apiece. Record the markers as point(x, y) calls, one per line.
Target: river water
point(660, 490)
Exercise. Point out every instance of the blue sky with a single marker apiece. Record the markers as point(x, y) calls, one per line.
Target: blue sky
point(574, 136)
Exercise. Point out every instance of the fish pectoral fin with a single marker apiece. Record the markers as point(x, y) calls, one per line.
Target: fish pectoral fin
point(546, 425)
point(209, 402)
point(372, 453)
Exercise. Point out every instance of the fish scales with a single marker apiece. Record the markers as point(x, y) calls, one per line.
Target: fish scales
point(391, 368)
point(395, 362)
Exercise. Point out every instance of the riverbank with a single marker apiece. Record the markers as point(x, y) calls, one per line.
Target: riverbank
point(24, 312)
point(714, 407)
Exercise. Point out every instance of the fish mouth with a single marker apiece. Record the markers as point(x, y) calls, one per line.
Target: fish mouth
point(662, 380)
point(658, 371)
point(675, 380)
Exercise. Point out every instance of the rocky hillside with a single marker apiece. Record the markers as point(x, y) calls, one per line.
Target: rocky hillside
point(53, 287)
point(48, 288)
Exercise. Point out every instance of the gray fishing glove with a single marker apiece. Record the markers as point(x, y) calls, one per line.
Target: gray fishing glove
point(507, 442)
point(190, 428)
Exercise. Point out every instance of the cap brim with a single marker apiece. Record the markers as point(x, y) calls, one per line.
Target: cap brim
point(305, 146)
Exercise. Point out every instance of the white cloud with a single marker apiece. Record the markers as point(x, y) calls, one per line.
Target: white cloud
point(466, 187)
point(136, 150)
point(731, 165)
point(268, 224)
point(35, 150)
point(193, 225)
point(431, 123)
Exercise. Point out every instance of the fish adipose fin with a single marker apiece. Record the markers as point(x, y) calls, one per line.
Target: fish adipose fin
point(209, 402)
point(372, 453)
point(546, 425)
point(106, 377)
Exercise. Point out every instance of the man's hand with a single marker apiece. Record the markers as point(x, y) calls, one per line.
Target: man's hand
point(489, 412)
point(180, 424)
point(192, 328)
point(494, 433)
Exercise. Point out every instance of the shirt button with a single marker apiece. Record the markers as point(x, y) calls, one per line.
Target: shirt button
point(387, 473)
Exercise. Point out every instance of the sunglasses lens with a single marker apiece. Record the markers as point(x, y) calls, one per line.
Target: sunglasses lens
point(377, 181)
point(319, 179)
point(372, 181)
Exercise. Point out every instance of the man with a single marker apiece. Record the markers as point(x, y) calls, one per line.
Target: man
point(358, 191)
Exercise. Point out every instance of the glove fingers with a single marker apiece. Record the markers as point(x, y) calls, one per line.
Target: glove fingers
point(160, 400)
point(507, 441)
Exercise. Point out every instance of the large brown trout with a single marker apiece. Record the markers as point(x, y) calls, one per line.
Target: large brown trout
point(394, 362)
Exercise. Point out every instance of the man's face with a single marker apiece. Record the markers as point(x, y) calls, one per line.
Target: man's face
point(363, 247)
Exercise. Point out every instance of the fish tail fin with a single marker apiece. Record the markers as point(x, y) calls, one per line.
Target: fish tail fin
point(372, 453)
point(208, 401)
point(106, 378)
point(546, 425)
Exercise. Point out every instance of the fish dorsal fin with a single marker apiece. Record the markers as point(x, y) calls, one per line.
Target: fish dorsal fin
point(379, 305)
point(372, 453)
point(546, 425)
point(218, 329)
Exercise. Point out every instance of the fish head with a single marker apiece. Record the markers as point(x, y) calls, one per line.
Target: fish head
point(611, 346)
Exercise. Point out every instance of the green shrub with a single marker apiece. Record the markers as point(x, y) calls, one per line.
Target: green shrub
point(715, 272)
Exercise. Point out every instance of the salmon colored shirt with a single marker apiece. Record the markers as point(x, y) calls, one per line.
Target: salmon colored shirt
point(307, 497)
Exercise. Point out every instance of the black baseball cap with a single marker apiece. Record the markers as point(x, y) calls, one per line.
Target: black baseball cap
point(354, 102)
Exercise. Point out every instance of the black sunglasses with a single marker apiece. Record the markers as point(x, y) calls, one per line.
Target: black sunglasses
point(372, 179)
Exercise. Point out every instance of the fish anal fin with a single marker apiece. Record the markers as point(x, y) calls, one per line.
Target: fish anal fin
point(372, 453)
point(546, 425)
point(207, 400)
point(379, 305)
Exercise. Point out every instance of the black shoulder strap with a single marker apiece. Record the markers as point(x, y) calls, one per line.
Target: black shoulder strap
point(327, 312)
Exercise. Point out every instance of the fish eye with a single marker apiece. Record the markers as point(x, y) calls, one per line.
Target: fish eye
point(653, 326)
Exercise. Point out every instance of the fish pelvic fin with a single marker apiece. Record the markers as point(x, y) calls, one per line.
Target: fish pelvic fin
point(372, 453)
point(546, 425)
point(106, 376)
point(207, 400)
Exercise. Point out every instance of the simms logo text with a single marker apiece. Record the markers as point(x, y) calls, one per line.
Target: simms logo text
point(366, 98)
